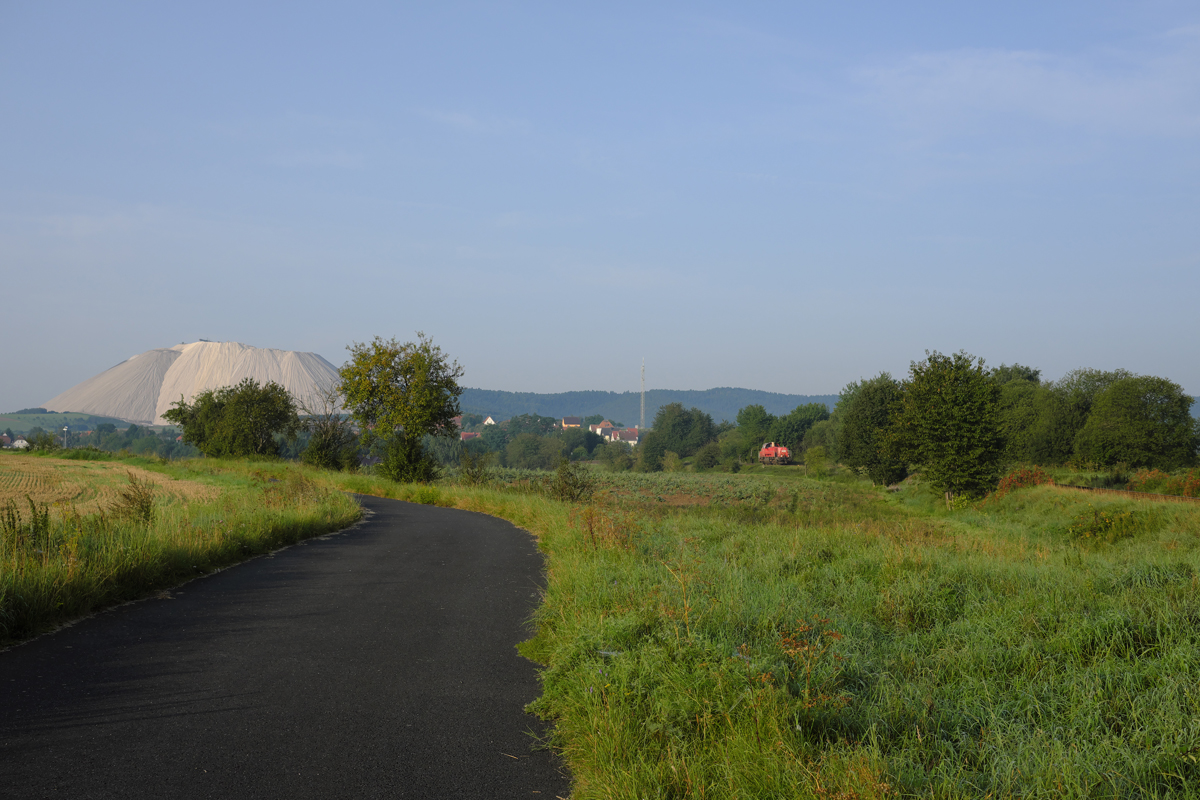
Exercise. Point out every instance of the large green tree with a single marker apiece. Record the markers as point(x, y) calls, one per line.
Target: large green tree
point(1142, 421)
point(754, 421)
point(866, 416)
point(1019, 419)
point(1055, 414)
point(650, 452)
point(789, 429)
point(241, 420)
point(683, 431)
point(948, 422)
point(402, 392)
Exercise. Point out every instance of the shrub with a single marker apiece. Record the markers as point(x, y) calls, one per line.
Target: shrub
point(1103, 525)
point(237, 420)
point(1158, 482)
point(405, 461)
point(44, 441)
point(708, 456)
point(1021, 478)
point(815, 460)
point(473, 470)
point(571, 482)
point(333, 445)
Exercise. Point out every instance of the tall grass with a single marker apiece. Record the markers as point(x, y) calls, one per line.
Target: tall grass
point(57, 563)
point(834, 641)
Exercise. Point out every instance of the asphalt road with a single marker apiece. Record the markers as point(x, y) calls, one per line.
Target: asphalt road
point(376, 662)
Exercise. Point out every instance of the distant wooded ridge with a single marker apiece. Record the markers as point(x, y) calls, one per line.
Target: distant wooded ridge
point(722, 403)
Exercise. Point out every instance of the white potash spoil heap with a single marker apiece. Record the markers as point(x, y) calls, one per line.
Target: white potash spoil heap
point(142, 388)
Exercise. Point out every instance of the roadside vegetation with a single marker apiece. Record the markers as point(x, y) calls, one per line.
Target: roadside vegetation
point(78, 535)
point(825, 638)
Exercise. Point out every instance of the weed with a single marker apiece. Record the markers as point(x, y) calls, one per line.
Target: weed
point(1103, 525)
point(136, 501)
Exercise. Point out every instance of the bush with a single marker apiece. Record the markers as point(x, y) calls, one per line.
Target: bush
point(671, 462)
point(708, 456)
point(44, 441)
point(473, 470)
point(815, 461)
point(572, 482)
point(1022, 478)
point(332, 448)
point(237, 420)
point(405, 461)
point(1158, 482)
point(1103, 525)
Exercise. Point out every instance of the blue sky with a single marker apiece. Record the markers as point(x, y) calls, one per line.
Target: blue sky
point(776, 196)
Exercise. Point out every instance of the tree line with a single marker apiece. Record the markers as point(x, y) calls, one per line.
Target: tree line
point(961, 423)
point(950, 416)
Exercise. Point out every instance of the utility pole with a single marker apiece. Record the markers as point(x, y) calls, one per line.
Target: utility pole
point(642, 427)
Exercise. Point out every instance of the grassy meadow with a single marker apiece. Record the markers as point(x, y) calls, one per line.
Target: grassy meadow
point(786, 637)
point(77, 535)
point(769, 635)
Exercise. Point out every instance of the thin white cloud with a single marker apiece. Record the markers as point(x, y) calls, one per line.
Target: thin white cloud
point(1152, 92)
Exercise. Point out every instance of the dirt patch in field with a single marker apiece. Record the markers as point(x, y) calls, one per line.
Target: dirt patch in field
point(89, 485)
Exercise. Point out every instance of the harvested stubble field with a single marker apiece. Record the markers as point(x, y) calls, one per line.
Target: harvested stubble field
point(88, 486)
point(76, 536)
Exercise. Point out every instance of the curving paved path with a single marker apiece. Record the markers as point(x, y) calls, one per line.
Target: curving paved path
point(377, 662)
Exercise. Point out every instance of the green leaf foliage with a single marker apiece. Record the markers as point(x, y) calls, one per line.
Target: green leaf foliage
point(405, 460)
point(241, 420)
point(755, 424)
point(683, 431)
point(866, 415)
point(789, 430)
point(1141, 421)
point(651, 451)
point(530, 451)
point(412, 387)
point(949, 423)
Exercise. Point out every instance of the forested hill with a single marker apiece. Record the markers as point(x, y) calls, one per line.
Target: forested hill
point(625, 407)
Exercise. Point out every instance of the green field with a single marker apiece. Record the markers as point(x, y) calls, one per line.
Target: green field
point(786, 637)
point(54, 421)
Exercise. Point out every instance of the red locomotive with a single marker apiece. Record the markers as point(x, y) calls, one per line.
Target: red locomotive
point(772, 453)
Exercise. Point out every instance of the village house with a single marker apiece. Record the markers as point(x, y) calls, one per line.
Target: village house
point(601, 427)
point(630, 436)
point(571, 422)
point(466, 435)
point(489, 420)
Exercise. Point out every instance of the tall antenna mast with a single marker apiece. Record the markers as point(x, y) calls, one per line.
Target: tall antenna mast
point(643, 425)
